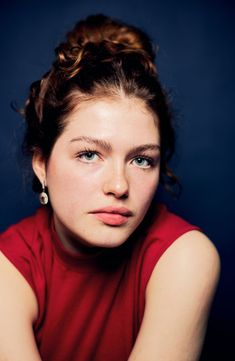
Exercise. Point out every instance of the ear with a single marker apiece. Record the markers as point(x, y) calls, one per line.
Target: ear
point(39, 166)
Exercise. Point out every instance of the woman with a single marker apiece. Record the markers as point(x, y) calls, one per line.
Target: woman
point(101, 271)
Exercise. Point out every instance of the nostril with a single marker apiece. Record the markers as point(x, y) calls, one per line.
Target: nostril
point(124, 196)
point(119, 195)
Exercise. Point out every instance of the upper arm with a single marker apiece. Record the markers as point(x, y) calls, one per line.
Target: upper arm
point(18, 310)
point(178, 299)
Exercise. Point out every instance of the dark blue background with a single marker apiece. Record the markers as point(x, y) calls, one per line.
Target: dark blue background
point(196, 61)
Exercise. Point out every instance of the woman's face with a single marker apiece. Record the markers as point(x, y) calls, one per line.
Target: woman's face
point(103, 172)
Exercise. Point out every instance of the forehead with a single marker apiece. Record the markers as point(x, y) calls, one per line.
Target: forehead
point(113, 119)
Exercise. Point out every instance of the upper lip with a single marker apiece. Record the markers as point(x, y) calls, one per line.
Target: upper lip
point(115, 210)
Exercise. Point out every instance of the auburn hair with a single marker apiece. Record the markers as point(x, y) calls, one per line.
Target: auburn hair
point(101, 57)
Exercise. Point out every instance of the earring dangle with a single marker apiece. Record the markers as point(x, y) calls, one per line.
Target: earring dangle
point(43, 197)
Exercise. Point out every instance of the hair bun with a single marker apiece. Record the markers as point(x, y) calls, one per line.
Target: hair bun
point(101, 36)
point(101, 57)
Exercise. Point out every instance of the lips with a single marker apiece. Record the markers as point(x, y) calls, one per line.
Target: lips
point(114, 216)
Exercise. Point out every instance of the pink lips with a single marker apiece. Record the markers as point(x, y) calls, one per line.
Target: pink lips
point(113, 216)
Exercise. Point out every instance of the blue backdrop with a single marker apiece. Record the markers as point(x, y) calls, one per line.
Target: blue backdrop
point(196, 61)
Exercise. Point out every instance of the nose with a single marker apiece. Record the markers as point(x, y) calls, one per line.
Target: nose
point(116, 182)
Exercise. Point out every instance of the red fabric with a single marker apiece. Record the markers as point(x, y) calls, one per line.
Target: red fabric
point(90, 307)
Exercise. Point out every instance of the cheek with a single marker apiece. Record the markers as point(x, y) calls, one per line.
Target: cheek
point(144, 189)
point(69, 181)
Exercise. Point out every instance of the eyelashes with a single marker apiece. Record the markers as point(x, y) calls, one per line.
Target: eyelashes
point(143, 161)
point(88, 155)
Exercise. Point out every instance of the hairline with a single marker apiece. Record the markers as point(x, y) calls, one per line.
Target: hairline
point(120, 94)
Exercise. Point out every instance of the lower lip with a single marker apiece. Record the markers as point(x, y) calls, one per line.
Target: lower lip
point(112, 219)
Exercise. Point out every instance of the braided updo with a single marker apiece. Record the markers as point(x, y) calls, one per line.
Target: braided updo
point(101, 57)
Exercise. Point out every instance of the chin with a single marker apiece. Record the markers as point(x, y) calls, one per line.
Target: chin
point(108, 241)
point(103, 236)
point(113, 244)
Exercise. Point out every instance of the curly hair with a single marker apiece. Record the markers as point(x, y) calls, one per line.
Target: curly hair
point(101, 57)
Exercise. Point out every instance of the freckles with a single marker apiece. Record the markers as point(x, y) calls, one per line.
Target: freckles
point(145, 188)
point(147, 181)
point(148, 192)
point(78, 182)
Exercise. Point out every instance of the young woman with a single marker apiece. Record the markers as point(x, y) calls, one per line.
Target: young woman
point(102, 271)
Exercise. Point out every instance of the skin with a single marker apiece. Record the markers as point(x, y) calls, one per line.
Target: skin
point(97, 162)
point(79, 182)
point(179, 295)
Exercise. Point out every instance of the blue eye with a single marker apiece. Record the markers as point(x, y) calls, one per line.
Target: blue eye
point(142, 162)
point(88, 156)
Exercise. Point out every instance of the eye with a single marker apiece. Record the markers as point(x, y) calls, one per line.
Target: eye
point(143, 162)
point(88, 156)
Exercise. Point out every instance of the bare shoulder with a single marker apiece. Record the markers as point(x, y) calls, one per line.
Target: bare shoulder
point(191, 260)
point(13, 283)
point(18, 299)
point(18, 310)
point(195, 243)
point(192, 255)
point(178, 299)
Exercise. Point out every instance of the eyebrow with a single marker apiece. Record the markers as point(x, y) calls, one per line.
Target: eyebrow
point(101, 143)
point(107, 146)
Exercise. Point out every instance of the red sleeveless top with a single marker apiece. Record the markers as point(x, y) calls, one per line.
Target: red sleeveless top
point(90, 306)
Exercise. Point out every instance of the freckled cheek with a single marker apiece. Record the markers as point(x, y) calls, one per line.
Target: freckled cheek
point(72, 181)
point(144, 188)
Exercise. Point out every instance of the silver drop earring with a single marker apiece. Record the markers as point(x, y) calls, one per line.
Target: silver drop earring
point(43, 197)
